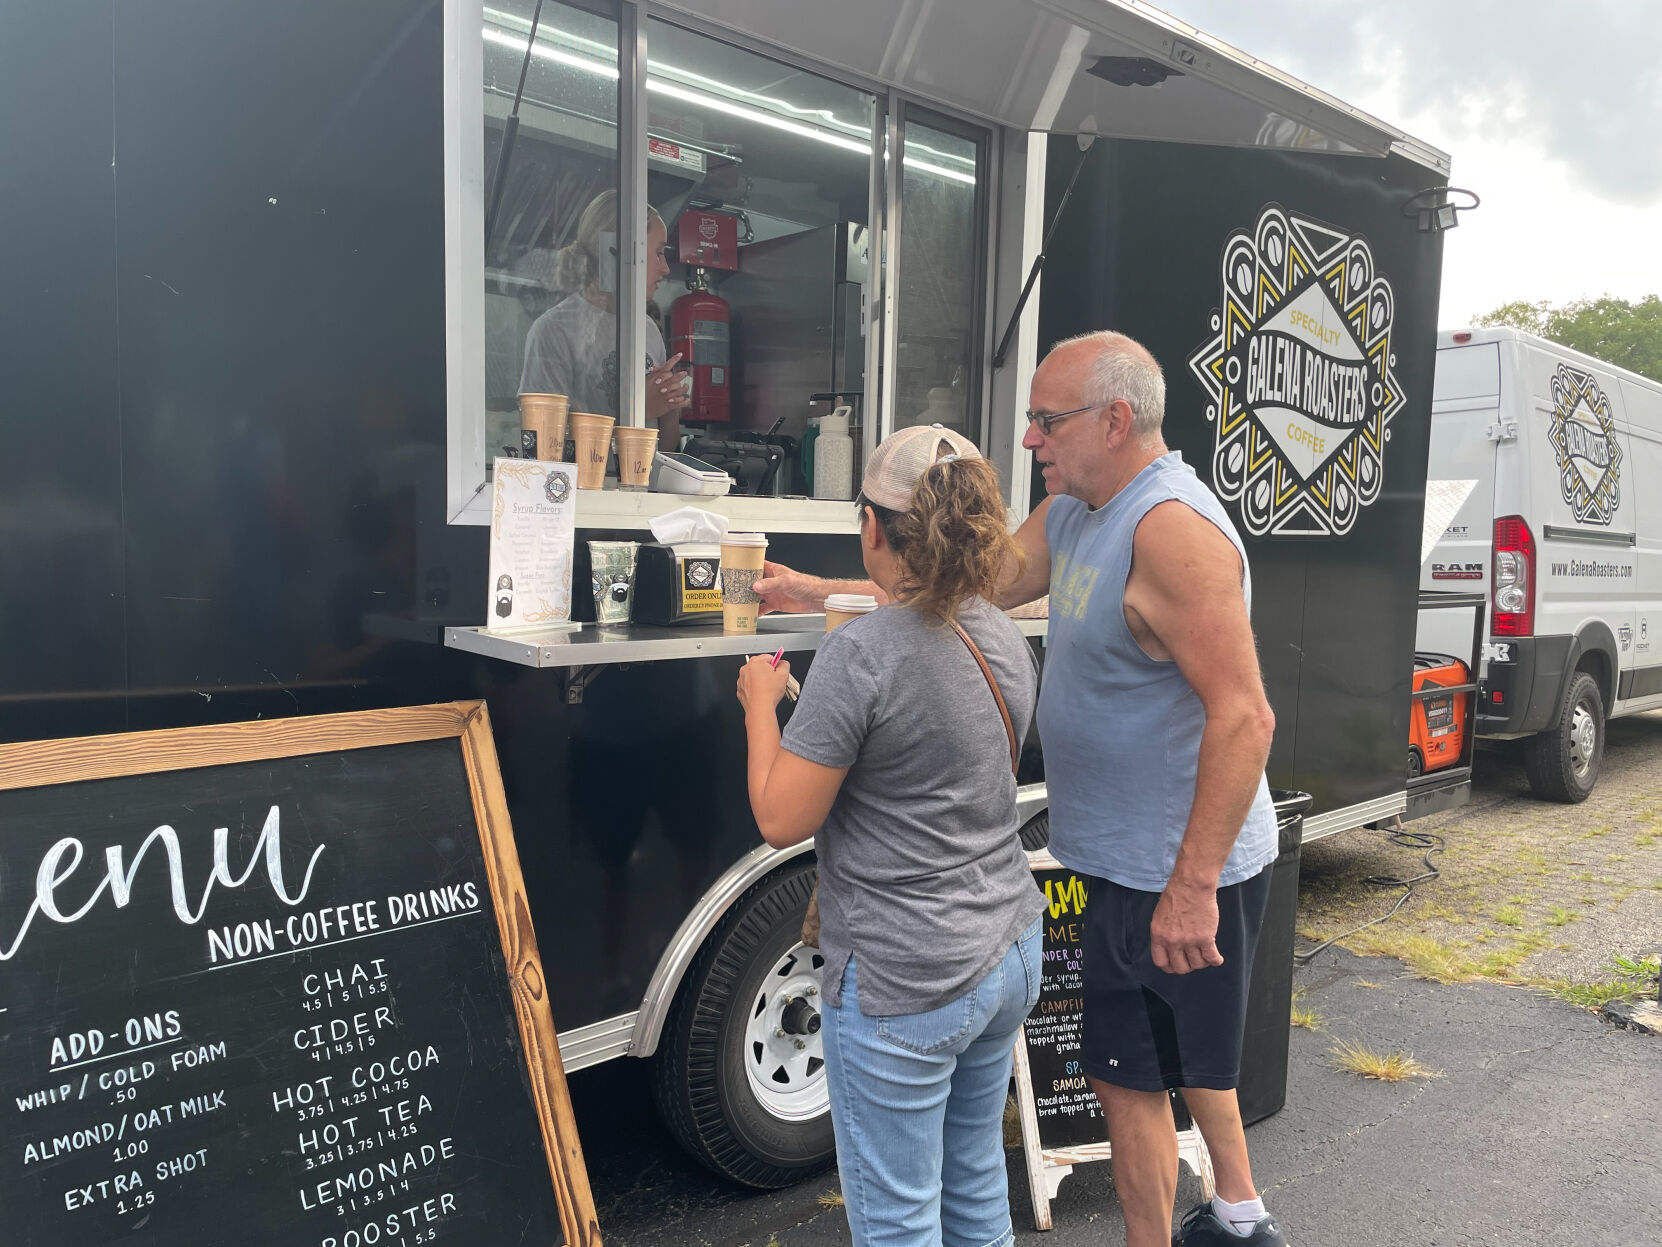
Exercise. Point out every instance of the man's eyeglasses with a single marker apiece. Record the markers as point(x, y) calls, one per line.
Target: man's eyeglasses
point(1046, 422)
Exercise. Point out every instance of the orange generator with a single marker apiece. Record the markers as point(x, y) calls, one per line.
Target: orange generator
point(1437, 721)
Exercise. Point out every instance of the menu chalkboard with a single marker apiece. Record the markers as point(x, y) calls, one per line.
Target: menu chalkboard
point(276, 983)
point(1067, 1108)
point(1061, 1120)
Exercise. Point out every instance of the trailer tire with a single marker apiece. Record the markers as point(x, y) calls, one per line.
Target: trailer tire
point(1035, 835)
point(1563, 761)
point(718, 1044)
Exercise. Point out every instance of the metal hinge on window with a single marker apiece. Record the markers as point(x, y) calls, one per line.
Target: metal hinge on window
point(1502, 431)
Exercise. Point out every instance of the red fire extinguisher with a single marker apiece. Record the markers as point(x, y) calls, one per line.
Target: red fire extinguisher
point(699, 322)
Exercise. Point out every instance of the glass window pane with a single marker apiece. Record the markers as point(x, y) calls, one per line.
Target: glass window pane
point(551, 187)
point(937, 357)
point(762, 172)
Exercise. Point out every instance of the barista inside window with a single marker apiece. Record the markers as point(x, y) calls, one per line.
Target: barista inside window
point(572, 348)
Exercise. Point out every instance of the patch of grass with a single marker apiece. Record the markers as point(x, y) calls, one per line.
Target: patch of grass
point(1366, 983)
point(1510, 915)
point(1306, 1018)
point(830, 1199)
point(1642, 967)
point(1558, 916)
point(1591, 995)
point(1359, 1059)
point(1645, 839)
point(1593, 833)
point(1425, 957)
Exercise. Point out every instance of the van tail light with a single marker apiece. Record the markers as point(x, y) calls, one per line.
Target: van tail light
point(1512, 588)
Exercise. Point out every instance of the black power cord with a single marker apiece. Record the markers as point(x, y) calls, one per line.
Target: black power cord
point(1403, 840)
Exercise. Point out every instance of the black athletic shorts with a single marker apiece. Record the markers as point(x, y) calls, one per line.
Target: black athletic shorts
point(1147, 1030)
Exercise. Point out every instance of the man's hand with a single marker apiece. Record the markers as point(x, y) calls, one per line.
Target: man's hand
point(791, 592)
point(1184, 932)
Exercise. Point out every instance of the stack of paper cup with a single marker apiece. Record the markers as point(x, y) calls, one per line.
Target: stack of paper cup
point(635, 448)
point(593, 436)
point(741, 567)
point(542, 422)
point(841, 607)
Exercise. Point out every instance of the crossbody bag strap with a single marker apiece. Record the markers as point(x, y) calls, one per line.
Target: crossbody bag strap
point(1003, 710)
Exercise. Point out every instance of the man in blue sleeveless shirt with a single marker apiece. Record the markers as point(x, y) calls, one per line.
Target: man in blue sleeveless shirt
point(1155, 730)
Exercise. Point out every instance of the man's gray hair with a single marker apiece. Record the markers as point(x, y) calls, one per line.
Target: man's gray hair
point(1123, 368)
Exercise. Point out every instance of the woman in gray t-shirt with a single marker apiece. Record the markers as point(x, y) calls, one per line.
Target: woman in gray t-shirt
point(898, 760)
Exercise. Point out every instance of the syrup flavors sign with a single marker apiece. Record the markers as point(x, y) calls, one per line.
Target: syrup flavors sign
point(1300, 376)
point(1583, 437)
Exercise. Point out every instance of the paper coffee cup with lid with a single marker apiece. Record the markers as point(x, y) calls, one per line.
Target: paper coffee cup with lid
point(742, 555)
point(841, 607)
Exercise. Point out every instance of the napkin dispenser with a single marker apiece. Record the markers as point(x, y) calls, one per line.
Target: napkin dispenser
point(677, 584)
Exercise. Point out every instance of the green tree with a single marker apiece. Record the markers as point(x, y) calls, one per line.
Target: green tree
point(1628, 335)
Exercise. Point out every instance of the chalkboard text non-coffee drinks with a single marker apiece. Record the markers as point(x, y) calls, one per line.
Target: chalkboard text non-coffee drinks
point(742, 555)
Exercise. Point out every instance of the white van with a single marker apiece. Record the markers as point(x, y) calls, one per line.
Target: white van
point(1563, 532)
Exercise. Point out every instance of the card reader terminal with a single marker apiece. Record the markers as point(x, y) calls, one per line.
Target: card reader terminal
point(675, 473)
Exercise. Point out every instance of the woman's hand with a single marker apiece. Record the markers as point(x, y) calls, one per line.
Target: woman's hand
point(761, 684)
point(664, 391)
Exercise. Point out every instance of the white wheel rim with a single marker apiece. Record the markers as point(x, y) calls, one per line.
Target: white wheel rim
point(1584, 735)
point(786, 1072)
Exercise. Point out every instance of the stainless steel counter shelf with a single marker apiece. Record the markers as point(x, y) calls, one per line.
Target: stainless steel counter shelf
point(581, 652)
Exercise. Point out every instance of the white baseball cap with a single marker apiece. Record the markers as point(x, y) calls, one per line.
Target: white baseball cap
point(902, 458)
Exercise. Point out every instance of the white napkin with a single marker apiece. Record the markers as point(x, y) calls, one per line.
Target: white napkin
point(688, 524)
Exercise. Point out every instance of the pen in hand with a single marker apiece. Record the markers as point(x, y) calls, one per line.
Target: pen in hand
point(792, 688)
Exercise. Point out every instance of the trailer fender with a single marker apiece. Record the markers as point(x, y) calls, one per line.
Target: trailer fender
point(695, 928)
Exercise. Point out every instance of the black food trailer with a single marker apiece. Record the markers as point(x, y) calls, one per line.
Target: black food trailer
point(267, 278)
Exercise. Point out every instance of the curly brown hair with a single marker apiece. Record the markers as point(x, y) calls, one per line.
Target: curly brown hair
point(953, 543)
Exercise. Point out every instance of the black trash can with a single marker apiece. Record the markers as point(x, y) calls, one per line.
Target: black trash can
point(1269, 1007)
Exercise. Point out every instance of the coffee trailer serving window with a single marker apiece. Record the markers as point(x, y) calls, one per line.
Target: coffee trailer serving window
point(849, 287)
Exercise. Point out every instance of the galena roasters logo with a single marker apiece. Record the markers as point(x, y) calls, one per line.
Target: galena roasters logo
point(1300, 376)
point(1583, 437)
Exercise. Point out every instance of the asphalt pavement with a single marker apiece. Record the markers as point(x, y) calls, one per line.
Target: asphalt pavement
point(1542, 1127)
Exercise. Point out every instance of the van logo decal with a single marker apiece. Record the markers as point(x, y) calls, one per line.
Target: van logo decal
point(1583, 437)
point(1300, 376)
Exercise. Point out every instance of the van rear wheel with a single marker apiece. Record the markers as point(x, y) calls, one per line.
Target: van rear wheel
point(1563, 762)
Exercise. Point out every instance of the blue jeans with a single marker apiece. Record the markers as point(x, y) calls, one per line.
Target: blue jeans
point(917, 1102)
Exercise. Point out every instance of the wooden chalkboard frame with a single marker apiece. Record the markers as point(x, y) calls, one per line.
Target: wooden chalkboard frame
point(38, 764)
point(1047, 1166)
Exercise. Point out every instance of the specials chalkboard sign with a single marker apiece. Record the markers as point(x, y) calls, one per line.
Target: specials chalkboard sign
point(1067, 1109)
point(276, 984)
point(1062, 1123)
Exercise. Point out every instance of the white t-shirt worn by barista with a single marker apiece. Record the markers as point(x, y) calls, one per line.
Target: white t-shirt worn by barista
point(572, 350)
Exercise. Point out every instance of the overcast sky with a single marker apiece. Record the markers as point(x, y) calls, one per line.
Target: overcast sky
point(1551, 110)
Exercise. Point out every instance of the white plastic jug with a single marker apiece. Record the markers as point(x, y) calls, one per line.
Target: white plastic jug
point(834, 456)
